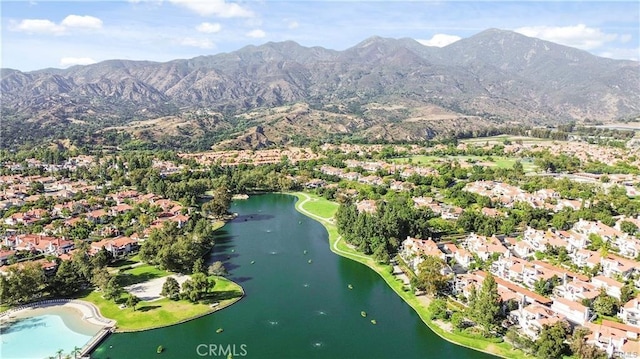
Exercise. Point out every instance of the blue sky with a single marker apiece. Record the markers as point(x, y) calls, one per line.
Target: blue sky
point(40, 34)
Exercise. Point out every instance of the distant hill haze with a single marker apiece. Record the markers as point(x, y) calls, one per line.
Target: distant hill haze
point(392, 89)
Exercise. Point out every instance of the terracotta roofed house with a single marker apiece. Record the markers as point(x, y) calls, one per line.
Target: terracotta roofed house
point(630, 312)
point(611, 286)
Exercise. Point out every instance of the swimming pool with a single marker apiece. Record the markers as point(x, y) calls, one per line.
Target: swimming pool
point(43, 332)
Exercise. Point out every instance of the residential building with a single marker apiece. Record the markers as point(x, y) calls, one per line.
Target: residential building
point(573, 311)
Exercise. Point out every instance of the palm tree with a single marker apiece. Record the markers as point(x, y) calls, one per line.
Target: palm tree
point(76, 351)
point(59, 352)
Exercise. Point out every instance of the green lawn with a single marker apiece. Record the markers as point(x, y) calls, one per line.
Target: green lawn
point(164, 312)
point(497, 161)
point(141, 274)
point(123, 263)
point(324, 208)
point(340, 247)
point(217, 225)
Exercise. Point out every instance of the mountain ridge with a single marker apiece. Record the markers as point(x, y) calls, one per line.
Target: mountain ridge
point(495, 75)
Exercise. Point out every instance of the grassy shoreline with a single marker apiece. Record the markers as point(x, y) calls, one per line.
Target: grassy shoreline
point(163, 312)
point(339, 247)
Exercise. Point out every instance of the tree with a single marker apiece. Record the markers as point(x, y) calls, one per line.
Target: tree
point(76, 350)
point(22, 284)
point(82, 261)
point(628, 227)
point(626, 292)
point(519, 341)
point(219, 203)
point(36, 188)
point(5, 290)
point(541, 286)
point(171, 288)
point(486, 306)
point(605, 305)
point(201, 283)
point(113, 290)
point(188, 291)
point(381, 255)
point(438, 309)
point(100, 278)
point(545, 286)
point(132, 301)
point(177, 249)
point(472, 299)
point(198, 266)
point(457, 320)
point(197, 287)
point(518, 167)
point(217, 268)
point(102, 258)
point(581, 349)
point(550, 343)
point(596, 242)
point(430, 277)
point(67, 280)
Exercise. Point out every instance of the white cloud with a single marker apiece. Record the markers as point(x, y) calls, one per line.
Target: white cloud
point(156, 3)
point(71, 61)
point(37, 26)
point(579, 36)
point(622, 54)
point(86, 22)
point(193, 42)
point(293, 25)
point(625, 38)
point(256, 34)
point(219, 8)
point(44, 26)
point(209, 28)
point(440, 40)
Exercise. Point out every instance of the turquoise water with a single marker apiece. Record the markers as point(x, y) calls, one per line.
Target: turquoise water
point(44, 333)
point(293, 308)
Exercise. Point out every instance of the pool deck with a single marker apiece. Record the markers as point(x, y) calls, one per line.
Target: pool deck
point(90, 312)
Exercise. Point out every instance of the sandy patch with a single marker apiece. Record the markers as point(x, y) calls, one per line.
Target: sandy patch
point(89, 311)
point(150, 290)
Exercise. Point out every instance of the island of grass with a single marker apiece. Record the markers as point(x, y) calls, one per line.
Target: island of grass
point(419, 304)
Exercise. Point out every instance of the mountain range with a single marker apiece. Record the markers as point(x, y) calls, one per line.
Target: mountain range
point(276, 93)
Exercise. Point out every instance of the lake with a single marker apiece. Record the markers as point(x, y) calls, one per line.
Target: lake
point(298, 303)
